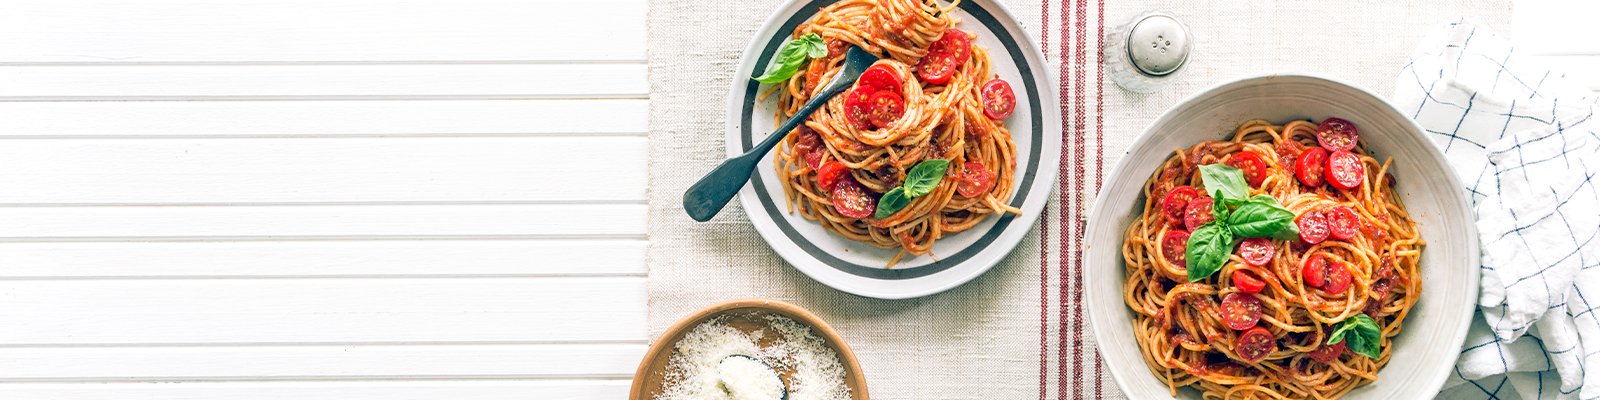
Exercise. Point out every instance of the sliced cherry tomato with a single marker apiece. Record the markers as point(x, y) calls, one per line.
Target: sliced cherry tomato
point(1309, 168)
point(1345, 170)
point(1247, 281)
point(1315, 270)
point(1336, 134)
point(1240, 311)
point(1313, 226)
point(975, 180)
point(887, 107)
point(1255, 170)
point(998, 101)
point(1328, 353)
point(808, 144)
point(1343, 222)
point(956, 43)
point(1255, 345)
point(1198, 213)
point(1176, 201)
point(1338, 276)
point(880, 77)
point(830, 174)
point(852, 200)
point(937, 67)
point(1257, 251)
point(1173, 246)
point(1288, 152)
point(858, 107)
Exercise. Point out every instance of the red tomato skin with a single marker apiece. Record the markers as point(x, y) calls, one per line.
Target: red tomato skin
point(956, 43)
point(1198, 213)
point(975, 180)
point(887, 107)
point(1289, 152)
point(1315, 270)
point(1255, 170)
point(1343, 223)
point(998, 100)
point(1337, 134)
point(814, 159)
point(1247, 283)
point(852, 200)
point(880, 77)
point(937, 67)
point(1309, 168)
point(1257, 251)
point(830, 174)
point(1313, 226)
point(1240, 311)
point(1173, 247)
point(1255, 345)
point(1338, 276)
point(858, 107)
point(1328, 353)
point(1345, 170)
point(1177, 200)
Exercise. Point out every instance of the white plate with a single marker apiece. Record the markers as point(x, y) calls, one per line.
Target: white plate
point(1426, 349)
point(857, 267)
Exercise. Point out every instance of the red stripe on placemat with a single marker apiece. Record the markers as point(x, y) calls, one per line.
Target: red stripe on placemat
point(1099, 143)
point(1065, 214)
point(1079, 41)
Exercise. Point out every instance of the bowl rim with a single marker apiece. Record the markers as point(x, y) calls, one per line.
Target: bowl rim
point(664, 344)
point(1098, 319)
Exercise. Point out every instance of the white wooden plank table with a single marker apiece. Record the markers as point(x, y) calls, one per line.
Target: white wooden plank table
point(344, 199)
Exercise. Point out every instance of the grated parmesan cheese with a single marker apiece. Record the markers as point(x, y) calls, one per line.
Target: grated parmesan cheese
point(696, 369)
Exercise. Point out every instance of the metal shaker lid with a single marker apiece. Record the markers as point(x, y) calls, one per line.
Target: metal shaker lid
point(1158, 44)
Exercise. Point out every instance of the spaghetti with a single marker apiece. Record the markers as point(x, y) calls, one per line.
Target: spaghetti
point(1261, 326)
point(932, 96)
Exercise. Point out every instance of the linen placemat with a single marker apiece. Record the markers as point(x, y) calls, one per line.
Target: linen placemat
point(1019, 330)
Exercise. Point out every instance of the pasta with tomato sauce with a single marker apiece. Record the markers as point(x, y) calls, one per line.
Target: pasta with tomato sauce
point(1323, 272)
point(924, 121)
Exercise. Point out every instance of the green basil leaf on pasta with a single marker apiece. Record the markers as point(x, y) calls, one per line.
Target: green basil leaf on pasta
point(1225, 182)
point(814, 46)
point(791, 56)
point(1360, 333)
point(1209, 247)
point(924, 177)
point(1261, 217)
point(1219, 209)
point(891, 202)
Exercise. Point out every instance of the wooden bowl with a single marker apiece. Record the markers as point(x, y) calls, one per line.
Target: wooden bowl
point(652, 370)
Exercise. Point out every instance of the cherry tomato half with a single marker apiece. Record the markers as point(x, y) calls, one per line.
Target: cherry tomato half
point(937, 67)
point(1328, 352)
point(852, 200)
point(1343, 222)
point(1257, 251)
point(831, 174)
point(998, 101)
point(1336, 134)
point(1313, 226)
point(880, 77)
point(1338, 276)
point(975, 180)
point(809, 143)
point(1240, 311)
point(887, 107)
point(1255, 170)
point(1255, 345)
point(1247, 281)
point(858, 107)
point(956, 43)
point(1173, 247)
point(1315, 270)
point(1309, 168)
point(1345, 170)
point(1176, 201)
point(1198, 213)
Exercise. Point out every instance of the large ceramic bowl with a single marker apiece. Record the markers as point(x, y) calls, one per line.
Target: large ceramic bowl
point(1427, 346)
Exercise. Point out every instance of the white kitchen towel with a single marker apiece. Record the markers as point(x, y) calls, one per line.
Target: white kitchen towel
point(1521, 137)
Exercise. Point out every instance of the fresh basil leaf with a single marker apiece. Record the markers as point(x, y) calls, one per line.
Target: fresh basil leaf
point(1290, 232)
point(1260, 217)
point(1360, 333)
point(791, 56)
point(1225, 182)
point(1209, 247)
point(1219, 209)
point(891, 202)
point(924, 177)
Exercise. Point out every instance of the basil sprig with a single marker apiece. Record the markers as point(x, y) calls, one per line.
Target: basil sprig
point(1253, 217)
point(792, 56)
point(920, 181)
point(1360, 334)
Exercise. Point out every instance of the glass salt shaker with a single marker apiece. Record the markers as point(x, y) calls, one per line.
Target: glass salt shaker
point(1148, 52)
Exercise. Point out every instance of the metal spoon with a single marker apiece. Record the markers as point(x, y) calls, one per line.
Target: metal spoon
point(706, 197)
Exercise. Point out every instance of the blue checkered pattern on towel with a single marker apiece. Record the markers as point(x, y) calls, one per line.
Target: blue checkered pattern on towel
point(1523, 139)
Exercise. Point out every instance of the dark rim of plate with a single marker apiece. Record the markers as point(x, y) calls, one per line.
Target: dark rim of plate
point(1031, 87)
